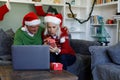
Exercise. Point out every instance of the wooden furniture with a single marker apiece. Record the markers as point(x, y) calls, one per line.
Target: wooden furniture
point(7, 73)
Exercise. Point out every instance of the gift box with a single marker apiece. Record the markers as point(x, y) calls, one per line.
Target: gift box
point(56, 66)
point(50, 41)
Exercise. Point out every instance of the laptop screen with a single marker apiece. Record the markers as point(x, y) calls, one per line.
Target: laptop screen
point(27, 57)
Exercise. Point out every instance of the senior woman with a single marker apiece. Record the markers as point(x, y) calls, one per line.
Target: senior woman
point(60, 49)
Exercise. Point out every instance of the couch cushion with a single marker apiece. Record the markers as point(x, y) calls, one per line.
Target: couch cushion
point(82, 46)
point(81, 63)
point(6, 40)
point(3, 37)
point(108, 71)
point(114, 53)
point(98, 55)
point(9, 40)
point(81, 67)
point(10, 33)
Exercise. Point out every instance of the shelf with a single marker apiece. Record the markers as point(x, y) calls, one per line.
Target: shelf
point(52, 4)
point(72, 19)
point(100, 36)
point(107, 4)
point(26, 2)
point(77, 31)
point(32, 2)
point(76, 6)
point(116, 17)
point(104, 24)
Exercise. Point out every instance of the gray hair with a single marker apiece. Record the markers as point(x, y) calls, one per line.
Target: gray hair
point(57, 33)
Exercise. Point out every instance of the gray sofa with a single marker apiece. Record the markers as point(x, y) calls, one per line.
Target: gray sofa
point(105, 62)
point(81, 67)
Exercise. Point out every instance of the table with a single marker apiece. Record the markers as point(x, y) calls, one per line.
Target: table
point(7, 73)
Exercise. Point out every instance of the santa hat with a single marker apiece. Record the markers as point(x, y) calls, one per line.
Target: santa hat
point(61, 18)
point(31, 19)
point(52, 18)
point(4, 9)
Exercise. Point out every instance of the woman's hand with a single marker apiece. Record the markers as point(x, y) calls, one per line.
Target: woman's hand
point(54, 49)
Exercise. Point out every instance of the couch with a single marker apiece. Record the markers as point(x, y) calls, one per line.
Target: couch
point(105, 62)
point(81, 67)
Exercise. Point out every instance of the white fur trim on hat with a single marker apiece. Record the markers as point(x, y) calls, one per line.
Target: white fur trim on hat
point(52, 19)
point(24, 28)
point(62, 40)
point(33, 22)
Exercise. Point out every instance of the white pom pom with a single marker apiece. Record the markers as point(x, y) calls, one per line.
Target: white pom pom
point(24, 28)
point(62, 40)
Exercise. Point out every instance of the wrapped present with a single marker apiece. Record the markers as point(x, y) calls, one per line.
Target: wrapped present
point(56, 66)
point(50, 41)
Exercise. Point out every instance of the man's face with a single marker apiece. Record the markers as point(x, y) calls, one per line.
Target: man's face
point(33, 29)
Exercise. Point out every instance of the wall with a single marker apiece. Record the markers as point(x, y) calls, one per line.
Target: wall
point(13, 19)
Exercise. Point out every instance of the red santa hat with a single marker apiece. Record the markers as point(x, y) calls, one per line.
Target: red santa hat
point(31, 19)
point(52, 18)
point(61, 18)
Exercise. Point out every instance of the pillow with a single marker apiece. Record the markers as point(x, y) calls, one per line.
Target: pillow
point(9, 40)
point(81, 46)
point(3, 36)
point(10, 33)
point(98, 55)
point(6, 40)
point(82, 62)
point(114, 53)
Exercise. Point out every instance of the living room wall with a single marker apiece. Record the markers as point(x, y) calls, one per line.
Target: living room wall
point(13, 19)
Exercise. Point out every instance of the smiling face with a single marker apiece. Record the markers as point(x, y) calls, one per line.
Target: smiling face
point(33, 29)
point(52, 28)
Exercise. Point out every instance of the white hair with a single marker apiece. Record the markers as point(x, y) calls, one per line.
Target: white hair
point(58, 32)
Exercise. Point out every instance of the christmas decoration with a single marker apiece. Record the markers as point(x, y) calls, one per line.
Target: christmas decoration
point(52, 18)
point(4, 9)
point(31, 19)
point(50, 41)
point(56, 66)
point(39, 9)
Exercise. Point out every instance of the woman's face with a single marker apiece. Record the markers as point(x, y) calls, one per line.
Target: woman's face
point(33, 29)
point(52, 28)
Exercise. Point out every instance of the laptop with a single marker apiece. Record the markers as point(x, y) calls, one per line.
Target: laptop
point(30, 57)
